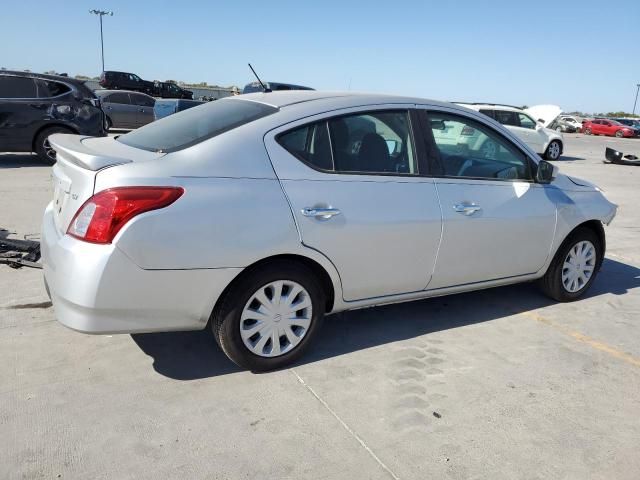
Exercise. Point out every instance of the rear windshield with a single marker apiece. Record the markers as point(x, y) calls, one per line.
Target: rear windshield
point(195, 125)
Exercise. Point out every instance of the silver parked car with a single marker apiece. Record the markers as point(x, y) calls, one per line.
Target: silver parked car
point(254, 216)
point(125, 109)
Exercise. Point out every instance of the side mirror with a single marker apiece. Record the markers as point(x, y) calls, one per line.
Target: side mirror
point(547, 172)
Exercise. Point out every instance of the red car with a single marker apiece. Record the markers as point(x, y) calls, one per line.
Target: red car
point(607, 127)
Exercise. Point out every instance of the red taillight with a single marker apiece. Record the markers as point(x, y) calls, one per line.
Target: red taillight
point(103, 215)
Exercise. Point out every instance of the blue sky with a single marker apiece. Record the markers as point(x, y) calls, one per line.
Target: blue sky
point(580, 55)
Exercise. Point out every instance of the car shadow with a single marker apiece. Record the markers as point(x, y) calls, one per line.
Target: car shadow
point(565, 158)
point(195, 355)
point(20, 160)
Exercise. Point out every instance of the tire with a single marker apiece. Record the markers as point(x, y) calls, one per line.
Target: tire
point(43, 149)
point(619, 134)
point(587, 131)
point(234, 312)
point(553, 150)
point(553, 282)
point(108, 123)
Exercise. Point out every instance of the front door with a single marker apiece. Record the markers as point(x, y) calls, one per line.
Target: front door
point(354, 186)
point(497, 223)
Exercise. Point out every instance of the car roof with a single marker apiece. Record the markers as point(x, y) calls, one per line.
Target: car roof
point(285, 98)
point(490, 106)
point(105, 91)
point(45, 76)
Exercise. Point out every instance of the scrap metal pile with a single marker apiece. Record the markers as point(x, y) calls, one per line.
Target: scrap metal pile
point(19, 253)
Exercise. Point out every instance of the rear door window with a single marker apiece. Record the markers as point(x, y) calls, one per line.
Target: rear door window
point(195, 125)
point(375, 142)
point(48, 89)
point(310, 144)
point(142, 100)
point(118, 97)
point(17, 87)
point(506, 117)
point(488, 113)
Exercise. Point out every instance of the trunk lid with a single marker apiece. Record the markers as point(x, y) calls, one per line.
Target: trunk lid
point(546, 113)
point(78, 161)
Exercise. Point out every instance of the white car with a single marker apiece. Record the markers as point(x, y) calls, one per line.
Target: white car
point(531, 125)
point(255, 215)
point(573, 121)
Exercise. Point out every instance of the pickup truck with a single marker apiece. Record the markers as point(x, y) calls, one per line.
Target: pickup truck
point(112, 80)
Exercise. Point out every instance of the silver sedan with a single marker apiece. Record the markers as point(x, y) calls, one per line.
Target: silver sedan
point(255, 216)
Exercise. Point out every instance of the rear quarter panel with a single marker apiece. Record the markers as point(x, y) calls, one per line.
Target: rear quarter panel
point(233, 211)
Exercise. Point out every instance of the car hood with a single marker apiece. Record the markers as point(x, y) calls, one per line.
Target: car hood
point(547, 113)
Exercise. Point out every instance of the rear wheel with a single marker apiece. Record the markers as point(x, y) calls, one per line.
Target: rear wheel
point(269, 317)
point(619, 134)
point(553, 150)
point(42, 146)
point(574, 267)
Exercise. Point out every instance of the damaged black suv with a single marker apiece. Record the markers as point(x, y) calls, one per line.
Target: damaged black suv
point(34, 106)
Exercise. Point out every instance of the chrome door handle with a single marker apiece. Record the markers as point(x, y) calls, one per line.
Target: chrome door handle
point(467, 208)
point(320, 212)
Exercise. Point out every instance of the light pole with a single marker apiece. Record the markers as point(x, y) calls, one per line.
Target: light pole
point(101, 13)
point(636, 101)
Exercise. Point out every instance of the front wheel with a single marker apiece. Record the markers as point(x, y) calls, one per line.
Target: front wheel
point(43, 148)
point(269, 317)
point(553, 150)
point(574, 267)
point(619, 134)
point(587, 131)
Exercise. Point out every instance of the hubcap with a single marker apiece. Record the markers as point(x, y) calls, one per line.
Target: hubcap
point(578, 266)
point(276, 318)
point(554, 150)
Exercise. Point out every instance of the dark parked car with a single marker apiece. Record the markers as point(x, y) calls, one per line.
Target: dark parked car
point(125, 109)
point(125, 81)
point(274, 86)
point(631, 123)
point(171, 90)
point(111, 80)
point(34, 106)
point(164, 108)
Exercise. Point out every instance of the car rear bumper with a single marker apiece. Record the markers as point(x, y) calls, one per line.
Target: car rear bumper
point(98, 289)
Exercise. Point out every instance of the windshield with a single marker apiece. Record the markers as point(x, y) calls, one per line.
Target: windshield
point(189, 127)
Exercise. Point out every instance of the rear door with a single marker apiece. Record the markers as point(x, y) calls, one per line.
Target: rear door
point(597, 127)
point(20, 114)
point(497, 222)
point(144, 108)
point(354, 184)
point(119, 109)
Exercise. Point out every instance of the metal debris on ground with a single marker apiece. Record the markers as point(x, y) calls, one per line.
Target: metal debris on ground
point(619, 158)
point(19, 253)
